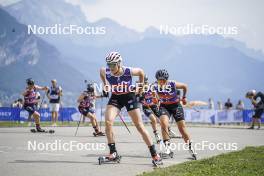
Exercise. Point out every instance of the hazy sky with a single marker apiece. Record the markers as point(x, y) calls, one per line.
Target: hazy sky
point(247, 15)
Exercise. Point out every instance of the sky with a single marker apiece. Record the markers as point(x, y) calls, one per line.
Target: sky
point(246, 15)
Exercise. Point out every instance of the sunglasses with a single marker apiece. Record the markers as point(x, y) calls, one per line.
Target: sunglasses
point(111, 65)
point(30, 84)
point(162, 81)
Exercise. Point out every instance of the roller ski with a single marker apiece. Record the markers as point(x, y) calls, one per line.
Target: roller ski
point(96, 134)
point(192, 151)
point(112, 158)
point(166, 155)
point(39, 130)
point(157, 160)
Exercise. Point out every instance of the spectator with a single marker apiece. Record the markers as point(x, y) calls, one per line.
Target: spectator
point(19, 103)
point(211, 104)
point(240, 105)
point(257, 100)
point(14, 104)
point(54, 95)
point(228, 104)
point(220, 106)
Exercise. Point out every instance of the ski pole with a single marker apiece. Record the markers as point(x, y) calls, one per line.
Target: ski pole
point(78, 125)
point(124, 123)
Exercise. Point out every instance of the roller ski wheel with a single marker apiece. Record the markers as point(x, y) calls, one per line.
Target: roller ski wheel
point(167, 155)
point(194, 156)
point(101, 160)
point(157, 161)
point(98, 134)
point(106, 159)
point(42, 131)
point(158, 141)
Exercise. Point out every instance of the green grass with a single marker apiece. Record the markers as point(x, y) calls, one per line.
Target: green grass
point(247, 162)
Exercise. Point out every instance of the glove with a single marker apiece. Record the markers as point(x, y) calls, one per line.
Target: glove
point(91, 105)
point(105, 94)
point(184, 100)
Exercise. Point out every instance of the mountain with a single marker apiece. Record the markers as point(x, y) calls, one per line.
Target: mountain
point(223, 42)
point(23, 56)
point(50, 12)
point(80, 50)
point(212, 40)
point(209, 71)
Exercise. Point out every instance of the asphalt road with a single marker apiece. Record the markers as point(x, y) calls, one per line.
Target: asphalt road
point(19, 158)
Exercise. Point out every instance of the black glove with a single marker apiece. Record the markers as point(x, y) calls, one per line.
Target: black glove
point(105, 94)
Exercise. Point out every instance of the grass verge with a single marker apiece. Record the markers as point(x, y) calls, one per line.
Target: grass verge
point(249, 161)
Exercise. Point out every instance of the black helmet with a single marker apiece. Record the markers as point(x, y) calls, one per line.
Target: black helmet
point(30, 81)
point(90, 88)
point(162, 74)
point(145, 78)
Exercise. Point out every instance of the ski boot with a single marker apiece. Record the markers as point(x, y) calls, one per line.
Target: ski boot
point(99, 133)
point(251, 128)
point(156, 160)
point(40, 130)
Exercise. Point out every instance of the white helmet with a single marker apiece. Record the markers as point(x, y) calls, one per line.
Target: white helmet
point(251, 93)
point(113, 57)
